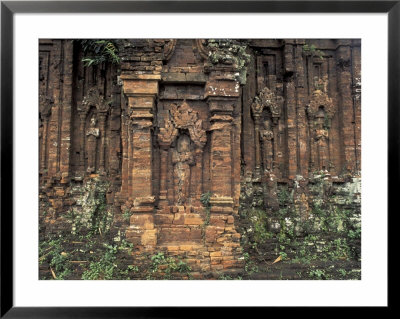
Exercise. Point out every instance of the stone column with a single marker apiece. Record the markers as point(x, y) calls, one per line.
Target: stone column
point(257, 169)
point(291, 119)
point(102, 124)
point(222, 92)
point(221, 164)
point(166, 136)
point(66, 114)
point(302, 123)
point(163, 175)
point(44, 144)
point(197, 176)
point(82, 118)
point(141, 91)
point(275, 130)
point(343, 56)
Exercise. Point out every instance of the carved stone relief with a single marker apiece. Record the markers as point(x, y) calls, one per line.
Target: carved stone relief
point(92, 134)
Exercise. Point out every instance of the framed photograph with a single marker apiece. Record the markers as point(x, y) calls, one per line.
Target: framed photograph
point(234, 151)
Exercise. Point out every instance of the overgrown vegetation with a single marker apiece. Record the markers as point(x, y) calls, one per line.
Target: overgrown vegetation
point(166, 267)
point(278, 240)
point(205, 201)
point(98, 51)
point(88, 250)
point(312, 49)
point(228, 51)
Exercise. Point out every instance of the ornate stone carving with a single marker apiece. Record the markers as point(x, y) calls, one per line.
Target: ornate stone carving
point(197, 134)
point(267, 135)
point(320, 99)
point(92, 134)
point(320, 111)
point(169, 49)
point(269, 100)
point(168, 133)
point(94, 98)
point(257, 107)
point(182, 158)
point(201, 48)
point(184, 117)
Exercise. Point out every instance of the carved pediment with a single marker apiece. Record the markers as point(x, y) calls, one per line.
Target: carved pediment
point(182, 117)
point(168, 133)
point(201, 48)
point(257, 107)
point(267, 99)
point(169, 49)
point(318, 99)
point(94, 98)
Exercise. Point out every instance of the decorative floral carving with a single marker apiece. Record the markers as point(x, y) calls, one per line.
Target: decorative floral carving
point(257, 107)
point(267, 98)
point(169, 49)
point(318, 99)
point(201, 48)
point(183, 117)
point(94, 98)
point(168, 133)
point(321, 134)
point(267, 135)
point(197, 134)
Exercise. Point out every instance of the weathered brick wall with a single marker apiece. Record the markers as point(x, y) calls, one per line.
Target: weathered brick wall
point(179, 130)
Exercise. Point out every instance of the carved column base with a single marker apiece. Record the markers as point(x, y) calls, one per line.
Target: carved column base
point(142, 231)
point(222, 205)
point(143, 205)
point(163, 199)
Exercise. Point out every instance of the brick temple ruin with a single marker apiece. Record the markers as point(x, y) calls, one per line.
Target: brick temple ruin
point(179, 120)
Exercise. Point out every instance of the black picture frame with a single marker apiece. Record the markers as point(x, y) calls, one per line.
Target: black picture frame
point(9, 8)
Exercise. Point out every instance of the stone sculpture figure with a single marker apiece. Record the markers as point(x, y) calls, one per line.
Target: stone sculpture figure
point(91, 146)
point(321, 139)
point(267, 136)
point(182, 159)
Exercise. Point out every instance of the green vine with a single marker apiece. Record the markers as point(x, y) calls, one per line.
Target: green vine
point(312, 49)
point(99, 51)
point(228, 51)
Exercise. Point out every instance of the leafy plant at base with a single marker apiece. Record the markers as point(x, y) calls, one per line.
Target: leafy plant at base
point(127, 215)
point(104, 268)
point(53, 252)
point(250, 267)
point(205, 201)
point(318, 274)
point(170, 266)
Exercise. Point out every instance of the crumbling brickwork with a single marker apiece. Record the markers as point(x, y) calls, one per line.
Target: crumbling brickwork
point(178, 128)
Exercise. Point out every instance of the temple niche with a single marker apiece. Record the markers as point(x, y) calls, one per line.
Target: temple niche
point(179, 132)
point(184, 137)
point(182, 160)
point(320, 112)
point(93, 113)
